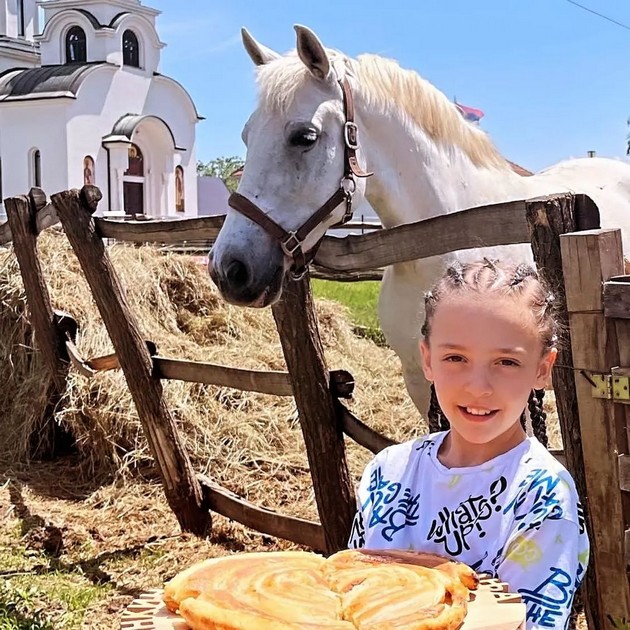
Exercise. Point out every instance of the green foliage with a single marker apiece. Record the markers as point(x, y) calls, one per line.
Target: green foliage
point(223, 168)
point(361, 300)
point(18, 610)
point(619, 624)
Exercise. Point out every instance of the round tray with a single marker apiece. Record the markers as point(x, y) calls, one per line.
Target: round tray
point(491, 607)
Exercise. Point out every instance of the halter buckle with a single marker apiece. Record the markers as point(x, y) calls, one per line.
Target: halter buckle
point(351, 135)
point(291, 244)
point(298, 274)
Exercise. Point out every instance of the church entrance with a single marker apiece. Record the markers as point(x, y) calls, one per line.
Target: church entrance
point(134, 197)
point(133, 182)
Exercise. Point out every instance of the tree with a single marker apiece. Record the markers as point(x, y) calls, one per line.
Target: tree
point(224, 168)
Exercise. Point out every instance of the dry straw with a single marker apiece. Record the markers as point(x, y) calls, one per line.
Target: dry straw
point(250, 443)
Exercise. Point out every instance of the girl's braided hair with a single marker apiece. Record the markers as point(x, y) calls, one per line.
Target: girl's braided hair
point(496, 278)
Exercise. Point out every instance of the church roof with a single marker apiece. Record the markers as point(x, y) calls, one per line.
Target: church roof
point(53, 81)
point(94, 21)
point(125, 126)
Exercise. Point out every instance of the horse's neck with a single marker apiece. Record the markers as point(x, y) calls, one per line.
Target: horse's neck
point(414, 179)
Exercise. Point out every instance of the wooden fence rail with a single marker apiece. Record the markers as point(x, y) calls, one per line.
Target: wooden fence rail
point(599, 463)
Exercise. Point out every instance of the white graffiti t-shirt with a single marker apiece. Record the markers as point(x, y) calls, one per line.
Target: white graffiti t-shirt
point(516, 517)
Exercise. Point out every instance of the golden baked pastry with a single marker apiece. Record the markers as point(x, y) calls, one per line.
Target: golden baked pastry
point(291, 590)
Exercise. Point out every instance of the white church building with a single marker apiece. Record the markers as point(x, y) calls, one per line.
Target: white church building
point(82, 101)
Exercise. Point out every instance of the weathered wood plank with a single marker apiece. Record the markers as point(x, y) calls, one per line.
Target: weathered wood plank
point(276, 383)
point(181, 487)
point(321, 273)
point(78, 363)
point(623, 461)
point(622, 412)
point(360, 432)
point(261, 519)
point(45, 217)
point(498, 224)
point(177, 230)
point(548, 218)
point(589, 259)
point(303, 352)
point(20, 214)
point(617, 297)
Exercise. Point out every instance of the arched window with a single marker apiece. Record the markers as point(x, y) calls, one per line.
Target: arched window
point(135, 160)
point(180, 196)
point(76, 45)
point(131, 49)
point(88, 171)
point(37, 168)
point(20, 18)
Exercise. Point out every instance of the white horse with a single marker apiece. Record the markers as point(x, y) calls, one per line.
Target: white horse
point(426, 161)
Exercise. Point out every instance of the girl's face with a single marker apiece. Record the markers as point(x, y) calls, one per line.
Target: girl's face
point(484, 357)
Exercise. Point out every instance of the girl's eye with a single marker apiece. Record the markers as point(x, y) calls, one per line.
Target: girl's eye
point(454, 358)
point(509, 362)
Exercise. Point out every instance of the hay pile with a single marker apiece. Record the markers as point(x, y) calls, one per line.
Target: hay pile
point(250, 443)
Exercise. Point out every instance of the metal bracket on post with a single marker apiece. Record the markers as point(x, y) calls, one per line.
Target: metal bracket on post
point(614, 386)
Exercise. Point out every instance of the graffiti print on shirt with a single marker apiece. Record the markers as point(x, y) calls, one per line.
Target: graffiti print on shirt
point(357, 533)
point(538, 489)
point(426, 446)
point(452, 528)
point(550, 600)
point(392, 506)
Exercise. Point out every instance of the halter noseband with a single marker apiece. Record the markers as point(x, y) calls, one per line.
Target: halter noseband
point(291, 242)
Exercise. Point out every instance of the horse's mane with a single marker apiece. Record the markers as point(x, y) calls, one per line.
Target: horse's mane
point(387, 87)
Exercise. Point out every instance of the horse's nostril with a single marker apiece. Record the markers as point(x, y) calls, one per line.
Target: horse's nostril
point(237, 274)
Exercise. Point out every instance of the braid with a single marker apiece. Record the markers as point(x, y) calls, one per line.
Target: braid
point(437, 419)
point(456, 273)
point(521, 272)
point(538, 416)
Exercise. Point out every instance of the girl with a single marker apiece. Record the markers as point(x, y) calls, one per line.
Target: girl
point(482, 492)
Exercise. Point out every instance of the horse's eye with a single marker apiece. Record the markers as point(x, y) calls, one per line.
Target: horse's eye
point(305, 137)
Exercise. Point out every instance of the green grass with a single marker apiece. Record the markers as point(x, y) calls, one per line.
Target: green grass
point(361, 299)
point(43, 598)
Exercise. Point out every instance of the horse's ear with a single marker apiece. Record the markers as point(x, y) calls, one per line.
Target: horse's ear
point(259, 54)
point(312, 52)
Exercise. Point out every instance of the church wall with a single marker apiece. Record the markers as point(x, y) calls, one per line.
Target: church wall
point(104, 96)
point(102, 44)
point(7, 63)
point(170, 102)
point(25, 127)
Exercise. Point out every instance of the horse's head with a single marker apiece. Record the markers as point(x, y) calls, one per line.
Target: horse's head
point(302, 166)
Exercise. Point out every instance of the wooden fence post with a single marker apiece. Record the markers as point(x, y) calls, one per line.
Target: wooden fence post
point(182, 489)
point(323, 434)
point(589, 259)
point(548, 218)
point(21, 213)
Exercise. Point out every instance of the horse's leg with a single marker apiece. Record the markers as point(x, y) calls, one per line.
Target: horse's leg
point(401, 313)
point(418, 389)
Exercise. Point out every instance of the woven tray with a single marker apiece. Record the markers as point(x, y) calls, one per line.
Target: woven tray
point(492, 608)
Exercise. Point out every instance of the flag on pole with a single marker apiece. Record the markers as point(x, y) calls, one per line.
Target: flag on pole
point(469, 113)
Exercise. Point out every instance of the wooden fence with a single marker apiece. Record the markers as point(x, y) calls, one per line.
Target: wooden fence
point(589, 380)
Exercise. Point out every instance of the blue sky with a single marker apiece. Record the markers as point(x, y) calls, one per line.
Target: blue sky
point(552, 78)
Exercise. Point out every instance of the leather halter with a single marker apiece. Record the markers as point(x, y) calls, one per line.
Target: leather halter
point(291, 241)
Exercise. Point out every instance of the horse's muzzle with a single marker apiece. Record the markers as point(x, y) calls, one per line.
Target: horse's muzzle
point(239, 284)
